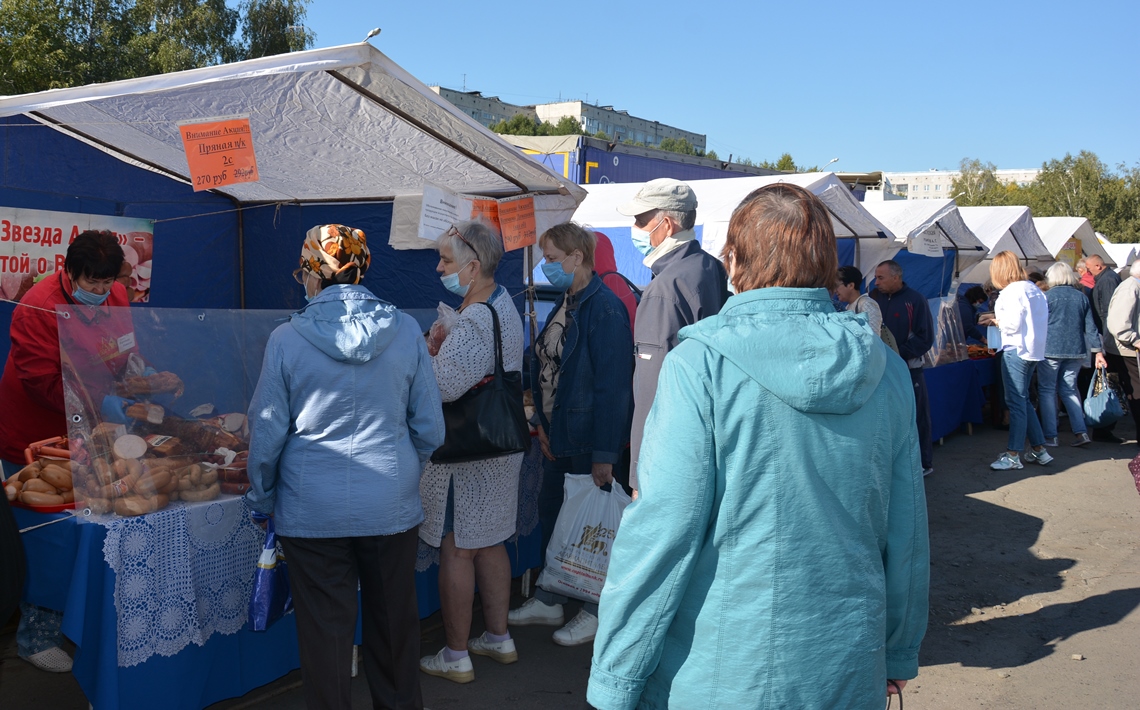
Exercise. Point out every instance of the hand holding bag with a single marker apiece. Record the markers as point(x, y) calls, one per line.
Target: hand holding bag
point(271, 597)
point(489, 419)
point(1102, 404)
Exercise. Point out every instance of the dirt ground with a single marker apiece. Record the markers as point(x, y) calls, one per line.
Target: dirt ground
point(1030, 570)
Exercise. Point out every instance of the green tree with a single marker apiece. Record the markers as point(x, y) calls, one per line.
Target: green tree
point(786, 163)
point(602, 135)
point(520, 124)
point(566, 126)
point(711, 155)
point(678, 145)
point(271, 27)
point(976, 184)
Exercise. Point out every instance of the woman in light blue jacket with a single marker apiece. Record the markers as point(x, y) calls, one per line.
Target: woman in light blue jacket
point(345, 415)
point(777, 555)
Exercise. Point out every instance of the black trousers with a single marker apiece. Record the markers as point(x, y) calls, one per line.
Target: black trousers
point(922, 417)
point(323, 575)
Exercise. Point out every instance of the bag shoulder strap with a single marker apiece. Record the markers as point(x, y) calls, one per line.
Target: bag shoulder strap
point(634, 289)
point(499, 369)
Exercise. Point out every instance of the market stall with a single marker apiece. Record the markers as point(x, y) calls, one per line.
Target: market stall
point(340, 135)
point(1069, 239)
point(716, 200)
point(1004, 229)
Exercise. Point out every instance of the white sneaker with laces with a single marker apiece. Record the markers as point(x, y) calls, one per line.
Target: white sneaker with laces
point(460, 671)
point(1006, 462)
point(1040, 457)
point(502, 651)
point(53, 660)
point(580, 630)
point(536, 613)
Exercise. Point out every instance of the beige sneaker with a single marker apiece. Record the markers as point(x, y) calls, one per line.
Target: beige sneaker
point(535, 613)
point(503, 651)
point(460, 671)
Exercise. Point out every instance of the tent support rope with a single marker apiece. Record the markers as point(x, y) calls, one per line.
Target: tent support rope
point(426, 129)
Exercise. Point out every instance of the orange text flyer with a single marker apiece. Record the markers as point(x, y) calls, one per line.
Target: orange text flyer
point(516, 216)
point(219, 152)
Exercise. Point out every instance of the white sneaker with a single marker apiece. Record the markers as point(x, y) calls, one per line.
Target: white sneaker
point(1006, 462)
point(1042, 457)
point(580, 630)
point(502, 651)
point(536, 613)
point(53, 660)
point(927, 471)
point(460, 671)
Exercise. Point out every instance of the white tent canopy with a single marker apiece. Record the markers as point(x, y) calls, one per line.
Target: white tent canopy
point(1122, 254)
point(1004, 229)
point(908, 219)
point(338, 124)
point(1056, 232)
point(716, 199)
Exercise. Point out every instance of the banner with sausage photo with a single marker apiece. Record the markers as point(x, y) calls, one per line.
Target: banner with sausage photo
point(33, 245)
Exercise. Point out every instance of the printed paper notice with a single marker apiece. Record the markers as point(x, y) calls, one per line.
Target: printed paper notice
point(516, 217)
point(928, 243)
point(219, 152)
point(442, 208)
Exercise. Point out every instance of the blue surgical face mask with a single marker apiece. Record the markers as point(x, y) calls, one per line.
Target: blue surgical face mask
point(88, 298)
point(451, 283)
point(642, 239)
point(557, 275)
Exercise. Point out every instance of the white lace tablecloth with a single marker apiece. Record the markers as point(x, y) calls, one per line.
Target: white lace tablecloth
point(182, 575)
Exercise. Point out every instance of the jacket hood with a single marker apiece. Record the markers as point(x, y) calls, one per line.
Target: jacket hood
point(348, 323)
point(794, 344)
point(604, 260)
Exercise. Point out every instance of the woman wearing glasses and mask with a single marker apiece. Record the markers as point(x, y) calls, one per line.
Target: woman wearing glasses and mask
point(582, 379)
point(470, 508)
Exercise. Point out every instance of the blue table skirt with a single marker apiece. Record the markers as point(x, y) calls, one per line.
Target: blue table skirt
point(67, 572)
point(956, 395)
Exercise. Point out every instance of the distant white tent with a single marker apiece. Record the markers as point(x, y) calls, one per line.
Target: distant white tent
point(910, 220)
point(1004, 229)
point(1060, 234)
point(1123, 254)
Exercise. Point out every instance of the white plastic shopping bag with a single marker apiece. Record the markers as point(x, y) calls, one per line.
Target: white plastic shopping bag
point(578, 555)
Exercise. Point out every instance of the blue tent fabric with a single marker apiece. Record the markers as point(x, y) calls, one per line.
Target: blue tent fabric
point(928, 275)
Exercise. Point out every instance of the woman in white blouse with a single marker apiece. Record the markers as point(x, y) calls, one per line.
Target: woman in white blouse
point(470, 508)
point(1022, 315)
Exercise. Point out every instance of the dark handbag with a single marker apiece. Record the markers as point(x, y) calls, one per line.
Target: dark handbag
point(488, 420)
point(1102, 404)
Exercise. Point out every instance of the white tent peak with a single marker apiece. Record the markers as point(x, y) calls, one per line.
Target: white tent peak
point(1055, 232)
point(337, 124)
point(1006, 228)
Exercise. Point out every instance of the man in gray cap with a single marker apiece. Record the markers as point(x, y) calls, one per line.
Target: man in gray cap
point(688, 285)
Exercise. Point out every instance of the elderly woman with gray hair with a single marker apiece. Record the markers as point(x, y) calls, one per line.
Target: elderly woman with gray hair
point(1070, 338)
point(470, 508)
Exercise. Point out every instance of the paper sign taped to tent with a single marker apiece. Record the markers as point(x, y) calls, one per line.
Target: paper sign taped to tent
point(928, 243)
point(219, 151)
point(1071, 253)
point(442, 208)
point(33, 244)
point(516, 215)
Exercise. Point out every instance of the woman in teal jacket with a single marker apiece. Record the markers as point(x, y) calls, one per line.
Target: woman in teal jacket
point(777, 555)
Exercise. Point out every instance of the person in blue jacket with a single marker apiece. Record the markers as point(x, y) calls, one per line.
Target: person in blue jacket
point(345, 415)
point(777, 555)
point(582, 380)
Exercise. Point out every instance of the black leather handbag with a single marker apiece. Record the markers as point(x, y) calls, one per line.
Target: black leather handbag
point(488, 420)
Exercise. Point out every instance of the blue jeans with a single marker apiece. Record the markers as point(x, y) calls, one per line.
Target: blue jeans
point(549, 503)
point(1016, 374)
point(39, 627)
point(1051, 375)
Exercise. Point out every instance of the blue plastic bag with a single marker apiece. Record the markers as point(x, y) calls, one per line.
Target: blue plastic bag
point(1102, 405)
point(271, 598)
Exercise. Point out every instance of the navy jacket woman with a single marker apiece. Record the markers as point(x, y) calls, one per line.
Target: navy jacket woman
point(594, 400)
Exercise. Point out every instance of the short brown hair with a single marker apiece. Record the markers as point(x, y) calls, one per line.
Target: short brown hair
point(569, 237)
point(781, 235)
point(1006, 269)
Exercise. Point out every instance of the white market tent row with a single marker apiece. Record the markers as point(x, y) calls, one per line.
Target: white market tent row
point(910, 219)
point(343, 124)
point(716, 200)
point(1004, 229)
point(1123, 254)
point(1056, 232)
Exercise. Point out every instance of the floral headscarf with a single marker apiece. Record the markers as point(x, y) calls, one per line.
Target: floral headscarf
point(336, 254)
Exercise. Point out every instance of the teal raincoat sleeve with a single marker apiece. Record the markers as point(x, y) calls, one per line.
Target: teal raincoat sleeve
point(425, 407)
point(658, 544)
point(269, 419)
point(906, 561)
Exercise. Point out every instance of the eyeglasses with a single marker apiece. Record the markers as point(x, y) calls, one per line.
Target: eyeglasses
point(299, 276)
point(454, 232)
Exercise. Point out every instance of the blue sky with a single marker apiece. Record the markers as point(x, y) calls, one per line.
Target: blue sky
point(881, 86)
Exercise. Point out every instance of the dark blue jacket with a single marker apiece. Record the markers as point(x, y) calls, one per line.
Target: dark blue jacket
point(969, 318)
point(1072, 333)
point(594, 400)
point(907, 315)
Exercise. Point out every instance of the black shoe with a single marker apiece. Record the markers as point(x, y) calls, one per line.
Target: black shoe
point(1107, 437)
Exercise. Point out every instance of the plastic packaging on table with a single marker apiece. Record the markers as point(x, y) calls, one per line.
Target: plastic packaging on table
point(271, 597)
point(949, 345)
point(578, 556)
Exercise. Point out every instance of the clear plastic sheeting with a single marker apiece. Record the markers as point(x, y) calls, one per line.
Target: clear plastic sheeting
point(155, 402)
point(949, 344)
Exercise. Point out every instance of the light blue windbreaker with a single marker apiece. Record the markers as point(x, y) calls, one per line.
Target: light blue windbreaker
point(777, 556)
point(345, 415)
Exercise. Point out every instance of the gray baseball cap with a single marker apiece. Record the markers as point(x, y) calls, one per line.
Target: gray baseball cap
point(661, 194)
